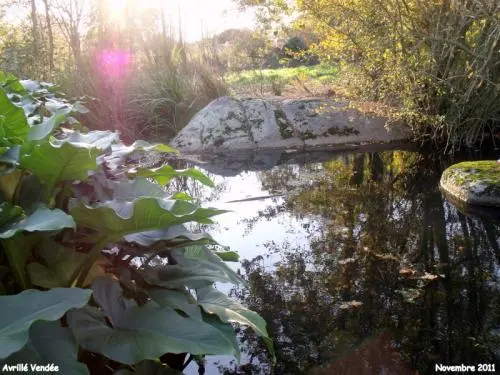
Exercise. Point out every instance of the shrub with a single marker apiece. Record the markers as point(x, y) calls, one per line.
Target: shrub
point(437, 60)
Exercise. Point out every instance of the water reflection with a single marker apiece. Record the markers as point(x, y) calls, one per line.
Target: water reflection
point(388, 279)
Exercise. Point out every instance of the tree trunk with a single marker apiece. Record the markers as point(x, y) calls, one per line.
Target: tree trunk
point(50, 35)
point(35, 28)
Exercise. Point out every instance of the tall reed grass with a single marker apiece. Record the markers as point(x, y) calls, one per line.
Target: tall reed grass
point(155, 98)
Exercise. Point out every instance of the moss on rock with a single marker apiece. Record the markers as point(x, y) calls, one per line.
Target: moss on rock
point(473, 182)
point(285, 127)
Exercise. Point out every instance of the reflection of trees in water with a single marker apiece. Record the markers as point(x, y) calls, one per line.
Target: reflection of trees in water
point(396, 279)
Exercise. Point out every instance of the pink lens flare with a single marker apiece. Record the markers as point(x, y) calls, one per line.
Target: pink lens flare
point(113, 63)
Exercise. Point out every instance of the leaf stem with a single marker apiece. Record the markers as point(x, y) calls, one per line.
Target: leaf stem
point(59, 201)
point(17, 191)
point(187, 362)
point(80, 274)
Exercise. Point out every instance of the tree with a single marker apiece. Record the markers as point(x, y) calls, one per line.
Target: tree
point(69, 15)
point(434, 61)
point(50, 34)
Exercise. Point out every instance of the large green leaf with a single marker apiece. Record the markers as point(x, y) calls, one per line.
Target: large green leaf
point(215, 302)
point(100, 139)
point(226, 329)
point(9, 160)
point(55, 160)
point(18, 249)
point(59, 265)
point(106, 189)
point(43, 219)
point(121, 152)
point(115, 219)
point(108, 294)
point(165, 173)
point(175, 276)
point(140, 187)
point(14, 127)
point(199, 254)
point(145, 332)
point(31, 193)
point(9, 184)
point(49, 343)
point(178, 300)
point(48, 125)
point(10, 82)
point(178, 232)
point(9, 212)
point(199, 268)
point(149, 368)
point(20, 311)
point(228, 256)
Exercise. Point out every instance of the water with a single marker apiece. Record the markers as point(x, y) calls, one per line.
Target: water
point(359, 266)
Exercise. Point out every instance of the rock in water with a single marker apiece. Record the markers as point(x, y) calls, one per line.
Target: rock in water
point(473, 182)
point(280, 124)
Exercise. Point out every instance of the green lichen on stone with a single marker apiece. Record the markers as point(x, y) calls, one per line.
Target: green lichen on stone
point(308, 135)
point(286, 129)
point(345, 131)
point(473, 182)
point(486, 172)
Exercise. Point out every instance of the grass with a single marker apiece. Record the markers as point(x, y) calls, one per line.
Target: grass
point(283, 81)
point(153, 101)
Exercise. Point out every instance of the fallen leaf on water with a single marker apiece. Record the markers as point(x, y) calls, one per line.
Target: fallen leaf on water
point(351, 304)
point(406, 271)
point(346, 260)
point(429, 276)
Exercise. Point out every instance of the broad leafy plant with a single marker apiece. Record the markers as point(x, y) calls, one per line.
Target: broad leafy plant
point(98, 271)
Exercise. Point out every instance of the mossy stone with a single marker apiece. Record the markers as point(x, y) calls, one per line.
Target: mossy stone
point(473, 182)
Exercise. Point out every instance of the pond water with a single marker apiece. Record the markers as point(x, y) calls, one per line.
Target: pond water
point(359, 266)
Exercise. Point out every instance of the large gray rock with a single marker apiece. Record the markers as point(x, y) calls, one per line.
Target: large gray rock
point(253, 124)
point(473, 183)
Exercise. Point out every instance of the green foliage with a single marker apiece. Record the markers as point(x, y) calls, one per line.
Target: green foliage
point(277, 81)
point(20, 311)
point(51, 343)
point(164, 174)
point(67, 198)
point(436, 60)
point(154, 95)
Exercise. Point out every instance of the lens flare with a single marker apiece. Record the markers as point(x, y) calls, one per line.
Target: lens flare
point(113, 62)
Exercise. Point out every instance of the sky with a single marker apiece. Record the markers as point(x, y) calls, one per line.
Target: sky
point(200, 17)
point(208, 17)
